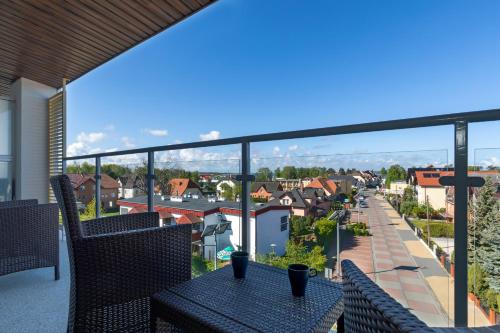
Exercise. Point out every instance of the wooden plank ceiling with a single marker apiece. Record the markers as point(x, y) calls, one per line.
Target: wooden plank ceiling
point(48, 40)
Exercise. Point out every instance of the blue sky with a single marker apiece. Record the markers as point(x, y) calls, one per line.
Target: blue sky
point(248, 67)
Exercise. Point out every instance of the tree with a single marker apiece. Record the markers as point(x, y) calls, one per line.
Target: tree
point(484, 215)
point(342, 171)
point(289, 172)
point(263, 174)
point(114, 170)
point(395, 172)
point(486, 233)
point(84, 168)
point(277, 173)
point(324, 229)
point(297, 253)
point(383, 171)
point(89, 212)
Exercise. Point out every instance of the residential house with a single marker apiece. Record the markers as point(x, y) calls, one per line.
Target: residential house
point(397, 187)
point(264, 190)
point(325, 184)
point(84, 187)
point(184, 187)
point(309, 202)
point(429, 190)
point(131, 186)
point(268, 222)
point(344, 182)
point(290, 184)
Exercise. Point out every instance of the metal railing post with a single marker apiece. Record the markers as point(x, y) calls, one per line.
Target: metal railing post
point(461, 146)
point(151, 180)
point(245, 196)
point(97, 187)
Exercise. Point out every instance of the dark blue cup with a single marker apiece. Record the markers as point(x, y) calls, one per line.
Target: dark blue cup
point(239, 261)
point(298, 275)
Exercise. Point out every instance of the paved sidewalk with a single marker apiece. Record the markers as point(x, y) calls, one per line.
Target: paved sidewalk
point(396, 270)
point(437, 278)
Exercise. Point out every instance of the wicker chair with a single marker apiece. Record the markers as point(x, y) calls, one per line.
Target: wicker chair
point(367, 308)
point(28, 236)
point(117, 263)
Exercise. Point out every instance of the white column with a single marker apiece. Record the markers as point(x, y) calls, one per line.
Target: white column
point(31, 139)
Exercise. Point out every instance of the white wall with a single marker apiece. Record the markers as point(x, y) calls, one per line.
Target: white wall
point(436, 195)
point(31, 126)
point(269, 232)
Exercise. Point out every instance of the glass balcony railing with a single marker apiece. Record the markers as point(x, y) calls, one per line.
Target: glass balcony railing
point(291, 197)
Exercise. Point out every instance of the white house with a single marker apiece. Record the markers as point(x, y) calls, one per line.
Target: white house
point(268, 223)
point(429, 190)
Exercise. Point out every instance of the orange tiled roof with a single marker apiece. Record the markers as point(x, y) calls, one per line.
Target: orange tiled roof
point(180, 185)
point(431, 178)
point(188, 219)
point(325, 184)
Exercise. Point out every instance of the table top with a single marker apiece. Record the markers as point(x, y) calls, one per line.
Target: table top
point(262, 302)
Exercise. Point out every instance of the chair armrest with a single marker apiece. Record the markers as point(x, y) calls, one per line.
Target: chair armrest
point(131, 265)
point(120, 223)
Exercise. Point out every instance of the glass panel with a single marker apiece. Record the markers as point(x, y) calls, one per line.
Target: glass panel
point(81, 174)
point(484, 238)
point(5, 127)
point(385, 210)
point(199, 187)
point(124, 178)
point(5, 181)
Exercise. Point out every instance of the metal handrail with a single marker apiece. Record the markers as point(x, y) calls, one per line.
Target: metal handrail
point(429, 121)
point(460, 179)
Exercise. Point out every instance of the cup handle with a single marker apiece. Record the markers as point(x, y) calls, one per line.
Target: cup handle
point(313, 272)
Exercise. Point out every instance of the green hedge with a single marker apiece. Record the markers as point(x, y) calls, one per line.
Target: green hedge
point(358, 229)
point(437, 228)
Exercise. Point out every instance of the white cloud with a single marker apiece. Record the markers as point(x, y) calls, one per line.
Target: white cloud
point(156, 132)
point(127, 142)
point(82, 144)
point(293, 147)
point(212, 135)
point(109, 127)
point(90, 137)
point(276, 151)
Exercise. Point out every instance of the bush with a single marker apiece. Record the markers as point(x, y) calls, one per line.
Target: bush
point(297, 254)
point(300, 225)
point(437, 228)
point(480, 286)
point(324, 229)
point(492, 299)
point(358, 229)
point(407, 207)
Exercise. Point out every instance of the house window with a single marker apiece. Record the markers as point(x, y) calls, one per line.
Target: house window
point(123, 211)
point(284, 223)
point(113, 195)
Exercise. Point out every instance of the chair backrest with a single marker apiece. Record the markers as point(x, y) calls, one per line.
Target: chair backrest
point(18, 203)
point(368, 308)
point(63, 190)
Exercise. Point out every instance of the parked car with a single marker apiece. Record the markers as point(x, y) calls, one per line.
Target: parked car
point(363, 204)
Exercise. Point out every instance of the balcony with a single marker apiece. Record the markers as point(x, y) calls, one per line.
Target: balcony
point(410, 234)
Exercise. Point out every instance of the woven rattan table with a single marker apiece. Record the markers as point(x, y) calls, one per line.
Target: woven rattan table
point(262, 302)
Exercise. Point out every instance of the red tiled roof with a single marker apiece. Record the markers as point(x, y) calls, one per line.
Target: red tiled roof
point(431, 178)
point(179, 185)
point(325, 184)
point(136, 210)
point(164, 214)
point(188, 219)
point(106, 181)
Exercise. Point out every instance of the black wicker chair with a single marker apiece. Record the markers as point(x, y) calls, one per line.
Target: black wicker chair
point(117, 263)
point(28, 236)
point(368, 308)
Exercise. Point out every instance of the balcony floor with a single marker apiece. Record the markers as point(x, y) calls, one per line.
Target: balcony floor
point(32, 301)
